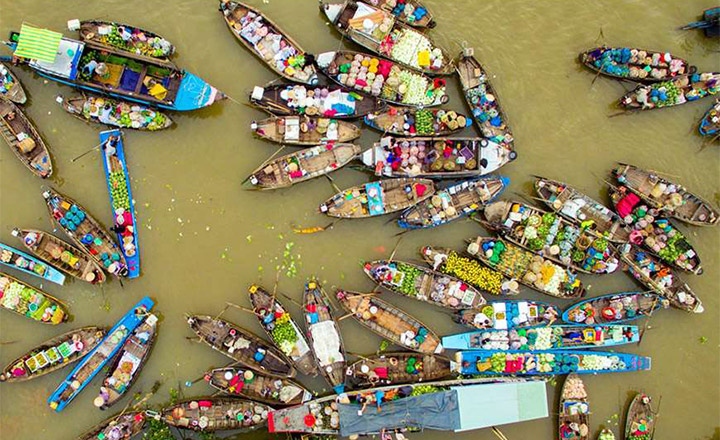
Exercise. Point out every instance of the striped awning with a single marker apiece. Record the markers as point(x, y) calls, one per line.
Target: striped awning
point(37, 44)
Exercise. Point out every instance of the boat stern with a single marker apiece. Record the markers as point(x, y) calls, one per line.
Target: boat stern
point(194, 93)
point(332, 9)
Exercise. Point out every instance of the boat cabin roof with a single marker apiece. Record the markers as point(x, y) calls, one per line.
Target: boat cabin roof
point(66, 62)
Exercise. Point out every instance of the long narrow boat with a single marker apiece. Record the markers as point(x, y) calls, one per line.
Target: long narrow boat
point(113, 112)
point(324, 335)
point(98, 68)
point(469, 270)
point(94, 361)
point(424, 284)
point(122, 205)
point(378, 198)
point(397, 368)
point(667, 196)
point(552, 236)
point(125, 368)
point(410, 12)
point(555, 337)
point(304, 130)
point(454, 202)
point(282, 329)
point(680, 90)
point(509, 314)
point(655, 233)
point(641, 418)
point(382, 79)
point(326, 101)
point(663, 280)
point(24, 140)
point(637, 65)
point(524, 363)
point(268, 42)
point(436, 158)
point(18, 260)
point(30, 302)
point(710, 122)
point(582, 210)
point(710, 23)
point(257, 386)
point(53, 354)
point(123, 426)
point(124, 37)
point(62, 255)
point(532, 270)
point(213, 414)
point(10, 86)
point(412, 122)
point(614, 308)
point(390, 322)
point(380, 32)
point(574, 412)
point(85, 232)
point(303, 165)
point(241, 345)
point(483, 100)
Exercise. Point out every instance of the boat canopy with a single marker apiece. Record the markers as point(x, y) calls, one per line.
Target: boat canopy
point(486, 405)
point(65, 63)
point(37, 44)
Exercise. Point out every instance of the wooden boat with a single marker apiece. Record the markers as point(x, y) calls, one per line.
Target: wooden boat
point(122, 204)
point(424, 284)
point(410, 12)
point(637, 65)
point(213, 414)
point(123, 75)
point(123, 426)
point(710, 122)
point(257, 386)
point(53, 354)
point(552, 236)
point(259, 35)
point(303, 165)
point(304, 130)
point(24, 140)
point(606, 434)
point(29, 265)
point(532, 270)
point(282, 329)
point(93, 362)
point(581, 209)
point(574, 413)
point(453, 202)
point(393, 83)
point(436, 158)
point(678, 91)
point(109, 111)
point(509, 314)
point(28, 301)
point(641, 418)
point(378, 198)
point(85, 232)
point(667, 196)
point(397, 368)
point(241, 345)
point(483, 100)
point(324, 335)
point(326, 101)
point(710, 23)
point(553, 362)
point(61, 254)
point(10, 86)
point(656, 234)
point(412, 121)
point(390, 322)
point(387, 36)
point(663, 280)
point(469, 270)
point(138, 42)
point(614, 308)
point(554, 337)
point(125, 368)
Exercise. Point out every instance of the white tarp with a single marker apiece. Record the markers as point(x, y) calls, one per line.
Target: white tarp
point(326, 342)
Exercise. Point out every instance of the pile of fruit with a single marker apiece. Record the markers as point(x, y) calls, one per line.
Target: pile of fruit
point(409, 277)
point(27, 301)
point(424, 389)
point(149, 46)
point(284, 333)
point(124, 115)
point(472, 272)
point(119, 191)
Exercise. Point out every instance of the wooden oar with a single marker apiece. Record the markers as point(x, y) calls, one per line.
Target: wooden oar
point(244, 309)
point(292, 300)
point(264, 163)
point(88, 151)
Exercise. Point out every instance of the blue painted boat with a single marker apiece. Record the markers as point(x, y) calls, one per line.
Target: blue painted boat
point(554, 337)
point(613, 308)
point(553, 362)
point(710, 123)
point(122, 207)
point(91, 364)
point(18, 260)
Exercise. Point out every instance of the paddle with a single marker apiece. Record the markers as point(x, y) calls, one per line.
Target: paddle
point(244, 309)
point(265, 163)
point(88, 151)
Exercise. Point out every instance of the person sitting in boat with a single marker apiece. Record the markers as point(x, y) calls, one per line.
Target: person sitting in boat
point(109, 146)
point(155, 89)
